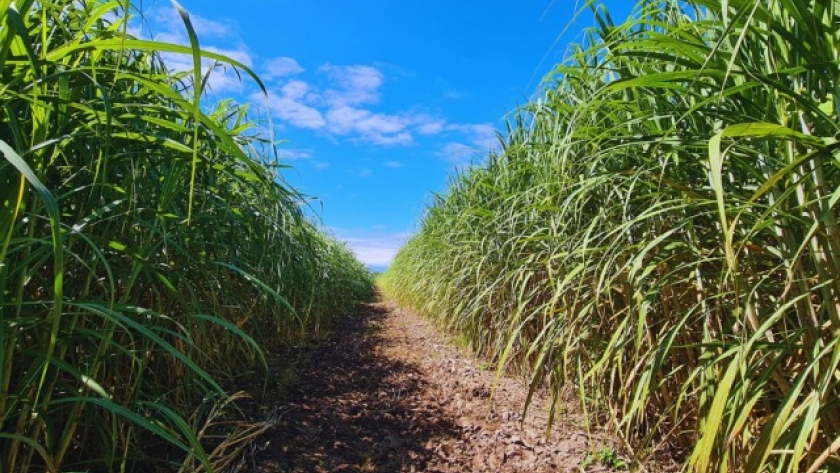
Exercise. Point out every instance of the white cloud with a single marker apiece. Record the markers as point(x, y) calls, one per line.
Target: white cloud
point(425, 124)
point(377, 128)
point(205, 27)
point(223, 77)
point(477, 140)
point(478, 134)
point(375, 248)
point(169, 27)
point(177, 62)
point(343, 106)
point(294, 154)
point(353, 85)
point(280, 67)
point(460, 153)
point(171, 22)
point(295, 90)
point(289, 104)
point(393, 164)
point(241, 54)
point(374, 255)
point(298, 114)
point(431, 128)
point(453, 148)
point(402, 139)
point(343, 120)
point(378, 123)
point(339, 101)
point(322, 165)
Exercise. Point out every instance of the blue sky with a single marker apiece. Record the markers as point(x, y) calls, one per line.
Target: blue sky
point(376, 101)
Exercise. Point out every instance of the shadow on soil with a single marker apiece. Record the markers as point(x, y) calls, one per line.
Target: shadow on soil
point(353, 410)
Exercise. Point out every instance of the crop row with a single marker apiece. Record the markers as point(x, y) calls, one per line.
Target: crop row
point(150, 252)
point(658, 229)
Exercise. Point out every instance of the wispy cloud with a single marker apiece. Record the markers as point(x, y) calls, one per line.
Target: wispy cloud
point(289, 104)
point(207, 28)
point(294, 154)
point(377, 128)
point(241, 54)
point(341, 101)
point(478, 139)
point(343, 106)
point(352, 85)
point(393, 164)
point(431, 127)
point(279, 68)
point(169, 27)
point(483, 134)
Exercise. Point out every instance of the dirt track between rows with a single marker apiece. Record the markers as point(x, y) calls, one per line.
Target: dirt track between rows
point(385, 392)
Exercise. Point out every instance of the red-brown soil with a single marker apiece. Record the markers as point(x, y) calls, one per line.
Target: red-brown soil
point(387, 393)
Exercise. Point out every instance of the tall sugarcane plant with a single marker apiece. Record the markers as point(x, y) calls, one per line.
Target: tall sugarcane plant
point(149, 250)
point(659, 228)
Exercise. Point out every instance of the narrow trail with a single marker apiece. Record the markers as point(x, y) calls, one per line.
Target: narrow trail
point(386, 393)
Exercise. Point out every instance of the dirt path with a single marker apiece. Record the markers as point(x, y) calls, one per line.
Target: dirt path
point(386, 393)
